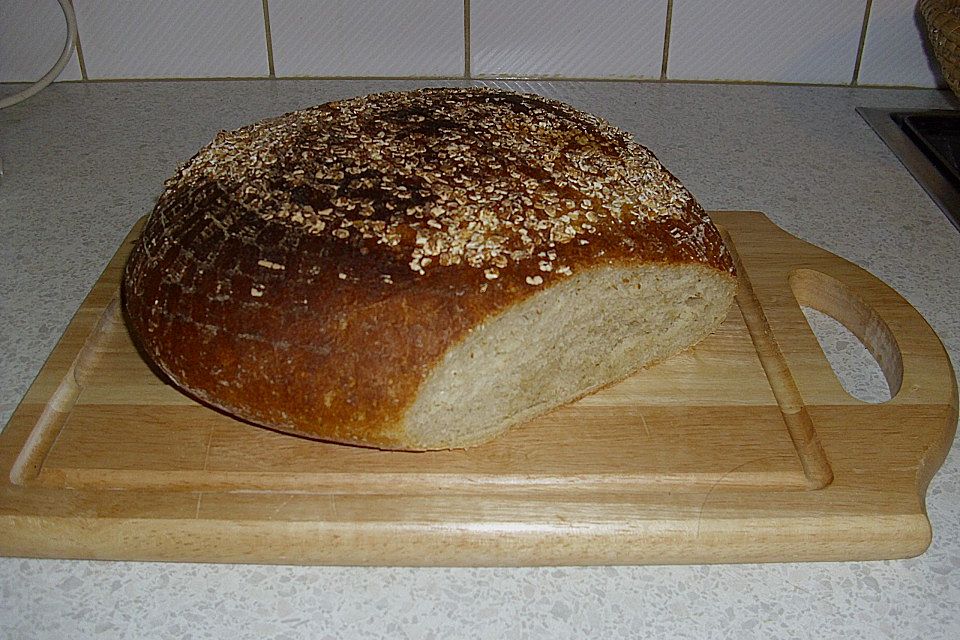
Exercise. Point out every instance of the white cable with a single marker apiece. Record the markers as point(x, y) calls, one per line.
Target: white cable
point(49, 77)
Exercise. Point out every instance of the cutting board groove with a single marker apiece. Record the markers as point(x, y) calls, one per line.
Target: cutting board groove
point(745, 448)
point(816, 468)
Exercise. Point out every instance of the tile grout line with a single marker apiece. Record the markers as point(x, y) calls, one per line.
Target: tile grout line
point(269, 38)
point(466, 40)
point(666, 40)
point(863, 38)
point(619, 80)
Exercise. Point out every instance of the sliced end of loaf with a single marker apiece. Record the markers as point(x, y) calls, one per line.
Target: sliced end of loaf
point(584, 333)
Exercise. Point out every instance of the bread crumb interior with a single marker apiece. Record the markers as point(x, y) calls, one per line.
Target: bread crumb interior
point(560, 344)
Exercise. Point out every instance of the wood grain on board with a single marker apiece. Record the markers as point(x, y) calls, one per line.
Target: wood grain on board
point(745, 448)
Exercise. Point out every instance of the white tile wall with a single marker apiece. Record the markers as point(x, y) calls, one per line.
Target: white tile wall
point(809, 41)
point(570, 38)
point(172, 38)
point(767, 40)
point(367, 37)
point(31, 39)
point(895, 51)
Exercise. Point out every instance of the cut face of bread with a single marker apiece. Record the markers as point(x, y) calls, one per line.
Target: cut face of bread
point(420, 270)
point(582, 334)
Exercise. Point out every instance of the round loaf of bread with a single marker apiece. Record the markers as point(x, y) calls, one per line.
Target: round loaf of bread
point(420, 270)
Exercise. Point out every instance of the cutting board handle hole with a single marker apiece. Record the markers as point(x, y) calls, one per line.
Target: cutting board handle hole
point(859, 345)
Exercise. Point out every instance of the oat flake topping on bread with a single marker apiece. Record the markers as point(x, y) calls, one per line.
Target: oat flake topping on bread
point(322, 272)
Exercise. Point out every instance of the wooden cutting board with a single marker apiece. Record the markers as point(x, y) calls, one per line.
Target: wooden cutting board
point(743, 449)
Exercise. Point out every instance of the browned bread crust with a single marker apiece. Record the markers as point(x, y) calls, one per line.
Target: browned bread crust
point(308, 272)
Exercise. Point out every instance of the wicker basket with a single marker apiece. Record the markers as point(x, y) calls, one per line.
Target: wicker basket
point(942, 20)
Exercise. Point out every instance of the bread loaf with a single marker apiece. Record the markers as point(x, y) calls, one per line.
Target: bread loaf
point(420, 270)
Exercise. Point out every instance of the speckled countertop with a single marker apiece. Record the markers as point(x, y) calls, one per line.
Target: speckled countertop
point(83, 162)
